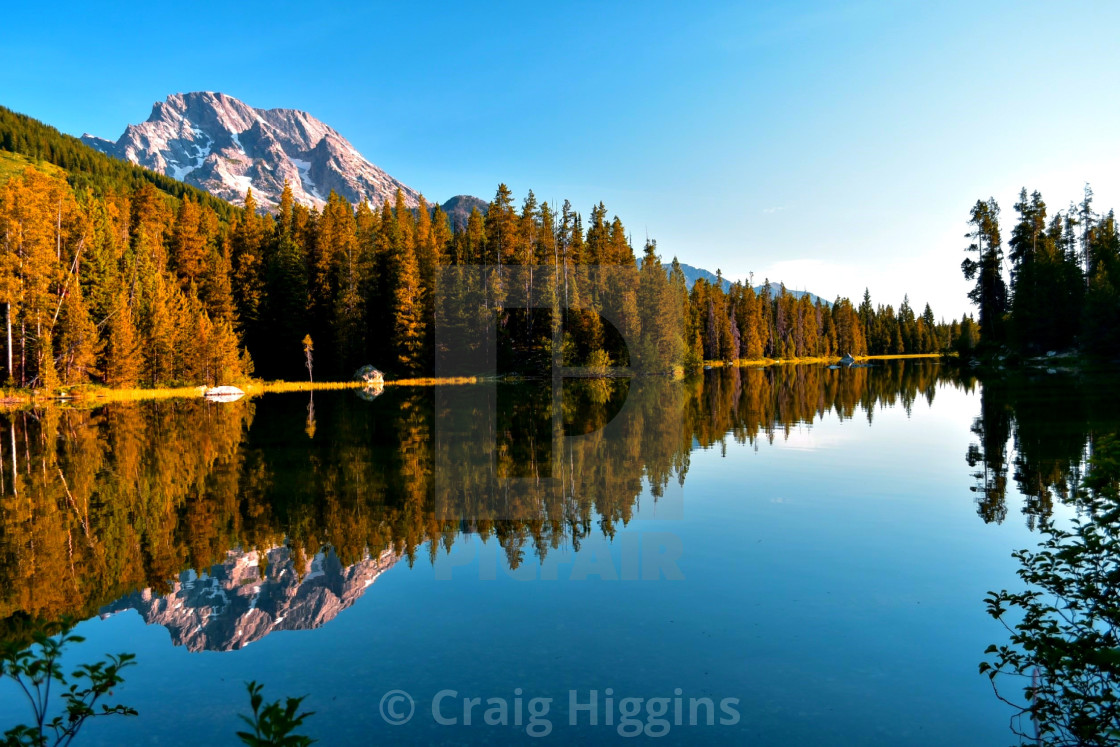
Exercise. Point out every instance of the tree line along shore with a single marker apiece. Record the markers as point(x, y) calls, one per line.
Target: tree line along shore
point(114, 277)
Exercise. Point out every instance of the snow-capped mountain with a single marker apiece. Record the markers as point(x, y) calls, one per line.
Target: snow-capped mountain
point(224, 146)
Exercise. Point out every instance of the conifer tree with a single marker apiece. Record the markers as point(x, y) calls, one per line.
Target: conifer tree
point(658, 348)
point(227, 362)
point(990, 291)
point(159, 336)
point(1102, 299)
point(247, 267)
point(678, 297)
point(348, 283)
point(46, 376)
point(78, 342)
point(501, 228)
point(189, 251)
point(408, 326)
point(286, 292)
point(440, 236)
point(597, 240)
point(123, 363)
point(750, 324)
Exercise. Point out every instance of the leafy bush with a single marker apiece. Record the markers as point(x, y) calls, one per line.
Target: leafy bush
point(272, 723)
point(36, 668)
point(1065, 646)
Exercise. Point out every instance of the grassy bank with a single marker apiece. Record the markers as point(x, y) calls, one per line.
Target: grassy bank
point(829, 360)
point(91, 394)
point(312, 386)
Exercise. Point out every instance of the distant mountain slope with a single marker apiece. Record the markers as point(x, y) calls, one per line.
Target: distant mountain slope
point(459, 207)
point(220, 144)
point(692, 274)
point(776, 288)
point(14, 163)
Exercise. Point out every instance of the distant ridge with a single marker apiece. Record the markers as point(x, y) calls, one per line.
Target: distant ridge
point(692, 274)
point(776, 288)
point(459, 208)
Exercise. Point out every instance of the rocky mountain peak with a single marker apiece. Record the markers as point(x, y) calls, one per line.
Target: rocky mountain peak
point(226, 147)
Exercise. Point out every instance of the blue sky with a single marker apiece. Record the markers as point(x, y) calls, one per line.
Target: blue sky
point(828, 145)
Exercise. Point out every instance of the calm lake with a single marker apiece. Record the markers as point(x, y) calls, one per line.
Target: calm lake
point(795, 555)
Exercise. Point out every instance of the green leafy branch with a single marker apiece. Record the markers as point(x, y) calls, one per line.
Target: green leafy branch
point(37, 668)
point(1064, 646)
point(273, 723)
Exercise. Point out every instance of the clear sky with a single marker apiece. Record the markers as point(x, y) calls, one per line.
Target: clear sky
point(830, 145)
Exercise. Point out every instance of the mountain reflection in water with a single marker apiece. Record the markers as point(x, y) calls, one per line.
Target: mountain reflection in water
point(121, 505)
point(252, 594)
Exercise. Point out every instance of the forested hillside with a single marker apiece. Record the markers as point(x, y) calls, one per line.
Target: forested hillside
point(112, 274)
point(87, 168)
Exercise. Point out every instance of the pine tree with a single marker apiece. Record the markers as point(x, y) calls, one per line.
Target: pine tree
point(597, 240)
point(655, 348)
point(286, 293)
point(78, 340)
point(408, 327)
point(1032, 273)
point(348, 283)
point(441, 236)
point(123, 363)
point(691, 356)
point(228, 363)
point(751, 325)
point(248, 240)
point(866, 315)
point(501, 228)
point(215, 290)
point(189, 251)
point(159, 336)
point(1102, 299)
point(192, 338)
point(990, 291)
point(46, 374)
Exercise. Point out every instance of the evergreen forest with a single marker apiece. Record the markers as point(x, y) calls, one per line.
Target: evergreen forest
point(1064, 268)
point(114, 275)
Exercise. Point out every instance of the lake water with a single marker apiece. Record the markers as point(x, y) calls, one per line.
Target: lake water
point(797, 554)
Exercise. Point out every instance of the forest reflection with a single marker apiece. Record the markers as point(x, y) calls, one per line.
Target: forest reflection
point(135, 500)
point(1037, 429)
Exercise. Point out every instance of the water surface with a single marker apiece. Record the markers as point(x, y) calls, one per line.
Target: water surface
point(806, 547)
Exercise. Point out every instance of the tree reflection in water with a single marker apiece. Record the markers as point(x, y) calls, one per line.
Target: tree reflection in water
point(98, 504)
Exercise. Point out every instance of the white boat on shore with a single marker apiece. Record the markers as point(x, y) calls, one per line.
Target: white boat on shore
point(223, 394)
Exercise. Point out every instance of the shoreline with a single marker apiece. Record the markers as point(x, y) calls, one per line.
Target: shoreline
point(822, 359)
point(100, 395)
